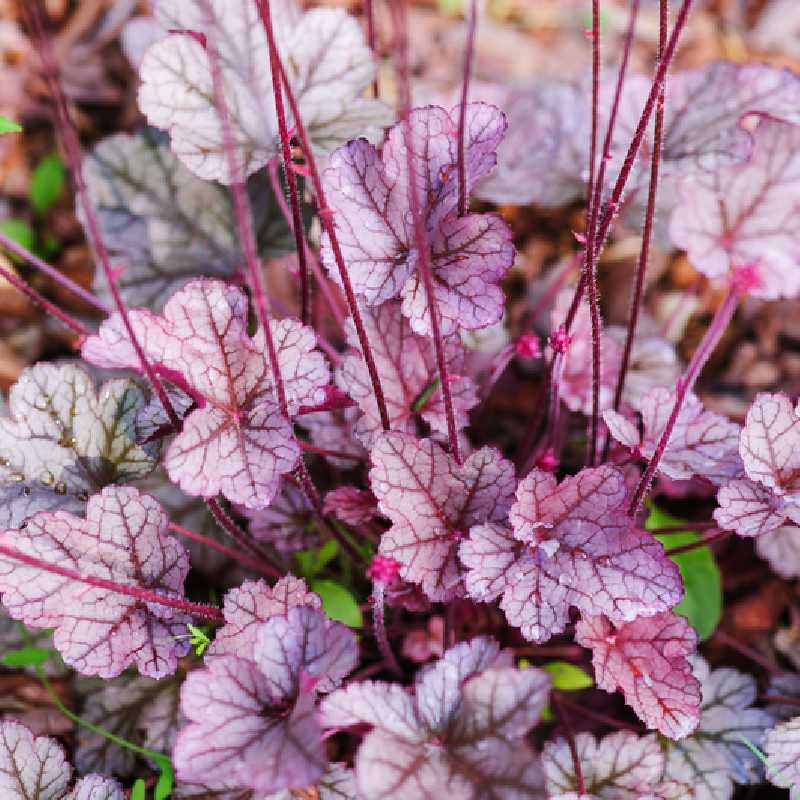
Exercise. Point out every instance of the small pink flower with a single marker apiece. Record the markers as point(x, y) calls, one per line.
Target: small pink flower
point(383, 569)
point(527, 346)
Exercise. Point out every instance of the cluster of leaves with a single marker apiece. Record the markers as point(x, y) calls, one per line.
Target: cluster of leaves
point(342, 455)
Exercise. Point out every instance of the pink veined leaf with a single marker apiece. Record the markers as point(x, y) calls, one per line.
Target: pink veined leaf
point(702, 443)
point(248, 606)
point(289, 523)
point(742, 216)
point(351, 505)
point(782, 749)
point(409, 375)
point(34, 768)
point(253, 723)
point(236, 442)
point(750, 509)
point(98, 631)
point(572, 544)
point(770, 444)
point(334, 431)
point(621, 766)
point(432, 503)
point(369, 195)
point(324, 53)
point(461, 732)
point(541, 158)
point(575, 383)
point(781, 548)
point(648, 660)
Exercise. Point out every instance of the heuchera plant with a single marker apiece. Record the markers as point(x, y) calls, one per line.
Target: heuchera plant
point(336, 445)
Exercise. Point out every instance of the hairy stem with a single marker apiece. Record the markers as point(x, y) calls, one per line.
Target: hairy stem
point(326, 216)
point(40, 300)
point(469, 54)
point(263, 567)
point(379, 627)
point(644, 253)
point(143, 595)
point(722, 318)
point(420, 234)
point(18, 250)
point(72, 150)
point(244, 218)
point(331, 299)
point(592, 246)
point(703, 541)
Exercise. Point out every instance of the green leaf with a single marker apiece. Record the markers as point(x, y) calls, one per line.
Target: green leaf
point(312, 562)
point(199, 638)
point(27, 657)
point(165, 779)
point(702, 601)
point(138, 791)
point(9, 126)
point(47, 182)
point(19, 231)
point(567, 677)
point(338, 603)
point(425, 395)
point(450, 7)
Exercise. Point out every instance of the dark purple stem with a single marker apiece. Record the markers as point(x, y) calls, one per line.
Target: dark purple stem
point(144, 595)
point(462, 111)
point(379, 627)
point(592, 245)
point(326, 218)
point(18, 250)
point(420, 234)
point(721, 320)
point(701, 542)
point(291, 179)
point(334, 303)
point(244, 219)
point(747, 652)
point(72, 150)
point(561, 711)
point(43, 302)
point(259, 566)
point(644, 254)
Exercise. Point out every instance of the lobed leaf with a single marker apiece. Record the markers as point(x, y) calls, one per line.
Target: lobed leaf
point(409, 375)
point(236, 442)
point(702, 443)
point(648, 660)
point(326, 58)
point(782, 748)
point(369, 195)
point(63, 441)
point(572, 545)
point(163, 226)
point(742, 216)
point(432, 502)
point(98, 631)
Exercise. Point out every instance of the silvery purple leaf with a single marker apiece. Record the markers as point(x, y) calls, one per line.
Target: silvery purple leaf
point(741, 217)
point(31, 768)
point(252, 723)
point(351, 505)
point(251, 604)
point(98, 631)
point(782, 748)
point(369, 195)
point(781, 548)
point(408, 372)
point(432, 502)
point(462, 731)
point(572, 545)
point(236, 442)
point(621, 766)
point(715, 756)
point(750, 509)
point(96, 787)
point(702, 443)
point(64, 440)
point(542, 156)
point(289, 523)
point(324, 53)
